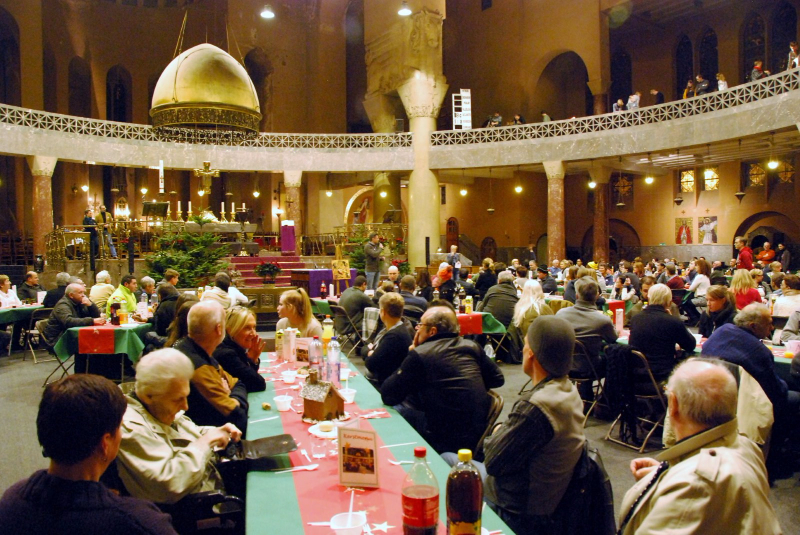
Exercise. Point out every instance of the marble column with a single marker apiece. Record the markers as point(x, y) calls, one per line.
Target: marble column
point(42, 168)
point(381, 110)
point(292, 181)
point(601, 175)
point(556, 236)
point(422, 98)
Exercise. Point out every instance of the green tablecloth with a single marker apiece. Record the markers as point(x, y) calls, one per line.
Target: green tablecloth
point(272, 501)
point(491, 325)
point(321, 306)
point(10, 315)
point(127, 340)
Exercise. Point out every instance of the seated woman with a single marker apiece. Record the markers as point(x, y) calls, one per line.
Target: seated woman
point(790, 300)
point(79, 429)
point(294, 309)
point(180, 325)
point(486, 278)
point(721, 310)
point(530, 306)
point(424, 285)
point(240, 351)
point(163, 455)
point(655, 332)
point(699, 286)
point(569, 287)
point(744, 289)
point(390, 347)
point(447, 286)
point(165, 313)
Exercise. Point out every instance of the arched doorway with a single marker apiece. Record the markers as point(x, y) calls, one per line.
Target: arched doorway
point(709, 57)
point(754, 45)
point(489, 248)
point(684, 65)
point(10, 93)
point(774, 227)
point(562, 90)
point(356, 69)
point(541, 250)
point(451, 233)
point(119, 91)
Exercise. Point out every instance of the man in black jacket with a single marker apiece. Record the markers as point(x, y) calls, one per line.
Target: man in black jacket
point(501, 299)
point(29, 290)
point(442, 384)
point(354, 301)
point(548, 283)
point(72, 310)
point(216, 397)
point(407, 285)
point(390, 348)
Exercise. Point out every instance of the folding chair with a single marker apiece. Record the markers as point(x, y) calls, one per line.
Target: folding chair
point(50, 345)
point(32, 332)
point(581, 361)
point(354, 337)
point(491, 418)
point(639, 362)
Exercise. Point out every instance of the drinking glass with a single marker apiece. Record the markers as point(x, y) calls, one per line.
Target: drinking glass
point(319, 448)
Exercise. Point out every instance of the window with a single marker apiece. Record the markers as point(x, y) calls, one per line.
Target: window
point(486, 4)
point(684, 66)
point(785, 172)
point(709, 63)
point(443, 194)
point(784, 31)
point(755, 175)
point(687, 181)
point(753, 42)
point(711, 179)
point(622, 188)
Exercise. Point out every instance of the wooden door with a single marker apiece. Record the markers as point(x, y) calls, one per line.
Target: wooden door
point(452, 233)
point(489, 248)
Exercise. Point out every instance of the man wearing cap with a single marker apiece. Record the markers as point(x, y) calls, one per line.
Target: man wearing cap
point(548, 283)
point(531, 456)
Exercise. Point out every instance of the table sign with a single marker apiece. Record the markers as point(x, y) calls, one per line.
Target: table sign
point(40, 297)
point(358, 457)
point(302, 346)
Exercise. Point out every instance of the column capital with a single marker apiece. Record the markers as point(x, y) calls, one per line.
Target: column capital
point(292, 179)
point(381, 112)
point(600, 173)
point(599, 86)
point(555, 170)
point(422, 95)
point(42, 165)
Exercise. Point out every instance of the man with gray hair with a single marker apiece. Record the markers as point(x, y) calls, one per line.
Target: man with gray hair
point(713, 480)
point(442, 383)
point(53, 296)
point(216, 397)
point(72, 310)
point(147, 287)
point(102, 289)
point(164, 455)
point(501, 299)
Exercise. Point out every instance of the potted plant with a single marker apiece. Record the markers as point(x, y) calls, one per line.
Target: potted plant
point(267, 271)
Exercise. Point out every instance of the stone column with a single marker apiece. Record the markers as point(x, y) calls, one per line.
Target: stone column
point(556, 236)
point(293, 180)
point(386, 187)
point(599, 89)
point(42, 168)
point(422, 97)
point(601, 175)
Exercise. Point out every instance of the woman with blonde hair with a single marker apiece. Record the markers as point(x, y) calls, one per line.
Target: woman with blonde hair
point(487, 277)
point(743, 288)
point(722, 83)
point(294, 310)
point(530, 306)
point(239, 354)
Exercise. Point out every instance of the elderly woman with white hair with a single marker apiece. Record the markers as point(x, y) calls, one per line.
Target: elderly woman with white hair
point(102, 290)
point(163, 455)
point(147, 286)
point(655, 332)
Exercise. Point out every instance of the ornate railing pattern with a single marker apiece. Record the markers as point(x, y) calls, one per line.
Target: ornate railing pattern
point(719, 100)
point(16, 116)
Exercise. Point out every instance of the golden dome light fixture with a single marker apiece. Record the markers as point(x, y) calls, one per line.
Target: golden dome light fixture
point(404, 10)
point(772, 163)
point(463, 192)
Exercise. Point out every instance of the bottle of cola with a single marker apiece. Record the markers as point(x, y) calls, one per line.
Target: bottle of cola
point(464, 497)
point(420, 498)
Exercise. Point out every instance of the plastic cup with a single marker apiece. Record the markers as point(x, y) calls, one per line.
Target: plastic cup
point(344, 374)
point(289, 376)
point(123, 318)
point(698, 337)
point(349, 394)
point(283, 402)
point(340, 524)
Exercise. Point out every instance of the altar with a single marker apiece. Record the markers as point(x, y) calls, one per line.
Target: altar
point(311, 279)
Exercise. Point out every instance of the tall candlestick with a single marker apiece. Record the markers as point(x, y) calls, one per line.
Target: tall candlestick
point(244, 207)
point(179, 208)
point(233, 207)
point(222, 209)
point(190, 206)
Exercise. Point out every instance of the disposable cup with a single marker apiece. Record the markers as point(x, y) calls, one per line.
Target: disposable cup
point(349, 394)
point(283, 402)
point(340, 524)
point(698, 337)
point(289, 376)
point(344, 374)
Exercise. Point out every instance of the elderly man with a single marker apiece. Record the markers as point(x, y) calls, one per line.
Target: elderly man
point(745, 258)
point(102, 289)
point(164, 455)
point(713, 480)
point(219, 293)
point(383, 356)
point(354, 301)
point(531, 456)
point(394, 275)
point(216, 397)
point(767, 254)
point(442, 383)
point(72, 310)
point(124, 295)
point(501, 299)
point(148, 288)
point(29, 290)
point(549, 285)
point(53, 296)
point(555, 269)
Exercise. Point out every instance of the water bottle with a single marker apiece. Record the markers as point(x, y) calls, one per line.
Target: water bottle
point(333, 364)
point(315, 354)
point(420, 495)
point(141, 306)
point(436, 294)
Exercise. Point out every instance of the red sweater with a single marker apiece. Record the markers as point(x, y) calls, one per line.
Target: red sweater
point(744, 299)
point(745, 260)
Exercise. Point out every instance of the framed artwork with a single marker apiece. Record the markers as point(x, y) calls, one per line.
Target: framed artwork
point(707, 230)
point(683, 230)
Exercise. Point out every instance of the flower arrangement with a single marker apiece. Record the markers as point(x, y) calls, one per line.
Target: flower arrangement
point(267, 270)
point(403, 266)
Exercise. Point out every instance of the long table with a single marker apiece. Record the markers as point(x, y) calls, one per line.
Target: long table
point(11, 315)
point(286, 503)
point(128, 339)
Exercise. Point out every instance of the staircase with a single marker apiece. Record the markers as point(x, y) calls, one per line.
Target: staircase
point(246, 265)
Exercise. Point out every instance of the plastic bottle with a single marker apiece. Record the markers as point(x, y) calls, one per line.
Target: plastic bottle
point(327, 334)
point(333, 364)
point(200, 292)
point(464, 497)
point(468, 305)
point(315, 354)
point(420, 498)
point(323, 291)
point(457, 303)
point(436, 294)
point(141, 306)
point(279, 345)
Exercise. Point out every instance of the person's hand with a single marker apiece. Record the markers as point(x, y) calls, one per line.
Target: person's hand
point(86, 301)
point(137, 317)
point(233, 431)
point(99, 321)
point(642, 466)
point(255, 349)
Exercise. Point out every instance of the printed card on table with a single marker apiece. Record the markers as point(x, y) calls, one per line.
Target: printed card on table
point(301, 347)
point(358, 458)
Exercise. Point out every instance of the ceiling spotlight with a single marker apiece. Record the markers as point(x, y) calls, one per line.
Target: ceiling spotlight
point(383, 194)
point(404, 9)
point(256, 194)
point(592, 184)
point(85, 188)
point(267, 12)
point(649, 180)
point(143, 189)
point(518, 189)
point(463, 192)
point(329, 193)
point(772, 164)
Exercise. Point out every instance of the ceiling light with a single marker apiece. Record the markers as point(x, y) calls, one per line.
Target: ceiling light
point(592, 184)
point(277, 211)
point(256, 194)
point(201, 192)
point(404, 10)
point(267, 12)
point(463, 192)
point(383, 194)
point(772, 164)
point(85, 188)
point(649, 180)
point(329, 193)
point(143, 189)
point(518, 189)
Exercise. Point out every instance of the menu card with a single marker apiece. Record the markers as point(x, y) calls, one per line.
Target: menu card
point(358, 458)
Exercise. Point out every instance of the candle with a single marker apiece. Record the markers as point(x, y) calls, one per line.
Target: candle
point(222, 208)
point(233, 207)
point(179, 208)
point(243, 207)
point(190, 206)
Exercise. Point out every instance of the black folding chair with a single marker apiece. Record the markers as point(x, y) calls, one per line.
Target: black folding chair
point(354, 338)
point(32, 333)
point(582, 361)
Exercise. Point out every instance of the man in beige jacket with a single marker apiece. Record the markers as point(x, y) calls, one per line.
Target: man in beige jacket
point(712, 480)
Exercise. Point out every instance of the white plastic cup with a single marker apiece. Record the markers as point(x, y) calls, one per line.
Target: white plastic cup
point(340, 524)
point(283, 402)
point(349, 394)
point(289, 376)
point(344, 374)
point(698, 337)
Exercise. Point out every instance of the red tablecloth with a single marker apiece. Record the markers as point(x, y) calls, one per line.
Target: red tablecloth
point(98, 340)
point(471, 323)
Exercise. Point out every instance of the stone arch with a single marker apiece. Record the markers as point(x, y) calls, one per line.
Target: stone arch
point(10, 78)
point(783, 30)
point(80, 87)
point(684, 64)
point(562, 87)
point(488, 248)
point(783, 227)
point(541, 250)
point(356, 201)
point(623, 240)
point(753, 43)
point(260, 69)
point(708, 56)
point(119, 94)
point(621, 76)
